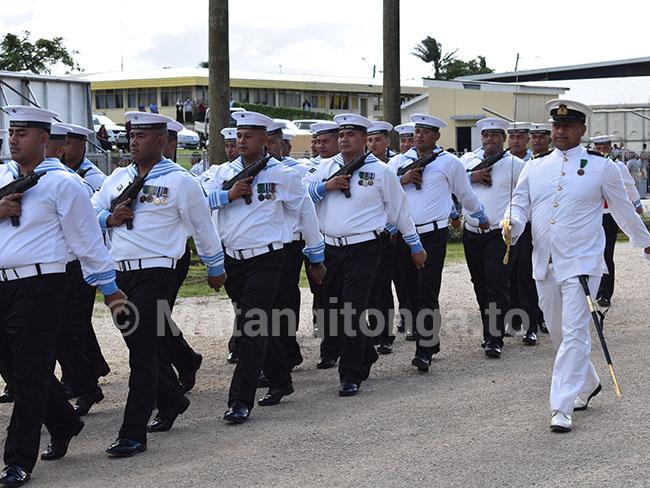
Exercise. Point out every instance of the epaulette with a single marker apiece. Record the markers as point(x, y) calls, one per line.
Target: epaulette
point(541, 155)
point(595, 153)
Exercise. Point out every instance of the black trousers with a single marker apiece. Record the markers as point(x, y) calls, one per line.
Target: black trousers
point(30, 319)
point(152, 378)
point(400, 276)
point(350, 274)
point(491, 279)
point(527, 291)
point(181, 354)
point(79, 300)
point(287, 298)
point(606, 289)
point(381, 297)
point(423, 287)
point(317, 304)
point(252, 285)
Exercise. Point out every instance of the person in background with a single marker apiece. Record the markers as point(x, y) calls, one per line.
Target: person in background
point(179, 111)
point(102, 137)
point(188, 108)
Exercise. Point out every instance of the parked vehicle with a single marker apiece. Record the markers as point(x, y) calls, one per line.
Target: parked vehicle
point(305, 124)
point(114, 130)
point(188, 139)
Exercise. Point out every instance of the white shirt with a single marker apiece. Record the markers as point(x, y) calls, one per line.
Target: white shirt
point(56, 217)
point(441, 178)
point(376, 198)
point(566, 211)
point(94, 176)
point(160, 230)
point(630, 186)
point(496, 198)
point(277, 209)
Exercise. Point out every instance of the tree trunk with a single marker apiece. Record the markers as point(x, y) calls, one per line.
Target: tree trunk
point(219, 73)
point(391, 67)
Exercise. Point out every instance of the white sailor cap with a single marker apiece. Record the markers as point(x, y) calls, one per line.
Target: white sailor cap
point(519, 128)
point(405, 129)
point(562, 110)
point(605, 139)
point(425, 121)
point(174, 126)
point(77, 131)
point(146, 120)
point(352, 121)
point(380, 127)
point(229, 133)
point(324, 127)
point(59, 131)
point(540, 128)
point(252, 120)
point(275, 128)
point(24, 116)
point(287, 137)
point(492, 124)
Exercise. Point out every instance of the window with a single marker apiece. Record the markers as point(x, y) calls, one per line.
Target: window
point(109, 99)
point(169, 96)
point(132, 98)
point(316, 100)
point(339, 101)
point(240, 95)
point(263, 96)
point(290, 99)
point(202, 93)
point(147, 96)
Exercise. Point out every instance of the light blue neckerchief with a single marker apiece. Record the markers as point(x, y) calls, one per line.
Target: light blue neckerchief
point(161, 168)
point(48, 164)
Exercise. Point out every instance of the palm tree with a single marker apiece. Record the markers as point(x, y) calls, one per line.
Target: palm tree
point(430, 51)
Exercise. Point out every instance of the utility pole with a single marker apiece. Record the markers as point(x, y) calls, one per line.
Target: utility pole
point(392, 86)
point(219, 77)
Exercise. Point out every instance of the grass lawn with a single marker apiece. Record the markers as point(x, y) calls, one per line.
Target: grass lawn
point(195, 284)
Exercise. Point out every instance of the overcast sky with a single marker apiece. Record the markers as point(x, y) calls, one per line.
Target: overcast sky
point(341, 37)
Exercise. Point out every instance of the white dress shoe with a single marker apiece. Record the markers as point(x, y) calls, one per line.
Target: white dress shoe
point(582, 401)
point(560, 422)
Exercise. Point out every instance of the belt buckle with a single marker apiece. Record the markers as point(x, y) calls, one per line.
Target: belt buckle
point(342, 241)
point(241, 254)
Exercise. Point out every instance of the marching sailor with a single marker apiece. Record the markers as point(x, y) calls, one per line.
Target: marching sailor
point(562, 193)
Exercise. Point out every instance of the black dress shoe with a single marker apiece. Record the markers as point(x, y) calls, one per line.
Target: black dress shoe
point(325, 363)
point(274, 395)
point(233, 357)
point(348, 389)
point(162, 423)
point(58, 448)
point(187, 379)
point(421, 363)
point(542, 328)
point(604, 302)
point(125, 448)
point(85, 402)
point(263, 381)
point(237, 414)
point(292, 363)
point(7, 395)
point(14, 475)
point(492, 350)
point(385, 348)
point(530, 339)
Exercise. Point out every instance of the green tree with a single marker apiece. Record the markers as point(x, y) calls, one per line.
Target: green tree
point(447, 66)
point(430, 51)
point(18, 53)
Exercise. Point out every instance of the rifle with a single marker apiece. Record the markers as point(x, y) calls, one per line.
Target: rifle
point(419, 163)
point(82, 172)
point(488, 162)
point(248, 172)
point(348, 169)
point(20, 185)
point(131, 191)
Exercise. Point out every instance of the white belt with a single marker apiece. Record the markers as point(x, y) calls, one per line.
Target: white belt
point(10, 274)
point(355, 239)
point(146, 263)
point(251, 253)
point(478, 230)
point(438, 224)
point(297, 236)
